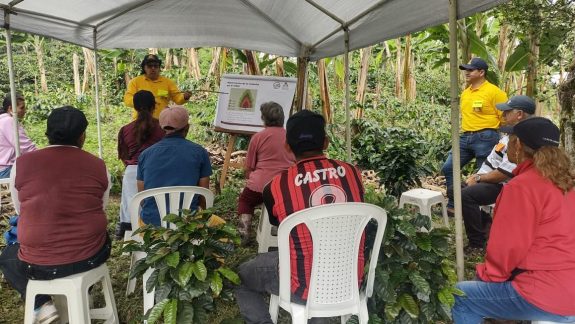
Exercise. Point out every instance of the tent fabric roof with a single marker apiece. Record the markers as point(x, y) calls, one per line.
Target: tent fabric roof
point(288, 28)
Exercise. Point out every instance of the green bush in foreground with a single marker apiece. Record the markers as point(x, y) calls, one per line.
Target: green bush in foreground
point(188, 263)
point(414, 280)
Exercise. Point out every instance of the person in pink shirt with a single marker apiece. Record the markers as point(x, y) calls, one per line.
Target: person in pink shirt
point(530, 262)
point(266, 157)
point(7, 143)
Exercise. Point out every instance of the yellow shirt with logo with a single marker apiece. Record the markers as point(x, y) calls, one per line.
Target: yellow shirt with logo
point(478, 109)
point(164, 90)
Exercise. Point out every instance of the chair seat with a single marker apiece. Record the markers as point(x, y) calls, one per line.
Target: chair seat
point(75, 289)
point(425, 199)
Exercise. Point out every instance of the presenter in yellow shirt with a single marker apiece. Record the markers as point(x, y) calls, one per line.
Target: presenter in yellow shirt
point(164, 89)
point(480, 120)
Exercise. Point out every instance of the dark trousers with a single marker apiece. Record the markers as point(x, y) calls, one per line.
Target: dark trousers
point(18, 272)
point(475, 220)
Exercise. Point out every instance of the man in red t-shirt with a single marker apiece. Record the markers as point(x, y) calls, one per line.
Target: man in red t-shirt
point(314, 180)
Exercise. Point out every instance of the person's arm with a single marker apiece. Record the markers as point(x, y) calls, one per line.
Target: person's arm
point(140, 185)
point(13, 190)
point(494, 176)
point(176, 95)
point(269, 203)
point(26, 144)
point(106, 196)
point(511, 235)
point(130, 91)
point(204, 183)
point(250, 162)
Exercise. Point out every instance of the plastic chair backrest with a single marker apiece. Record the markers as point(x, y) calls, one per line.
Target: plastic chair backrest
point(336, 230)
point(174, 197)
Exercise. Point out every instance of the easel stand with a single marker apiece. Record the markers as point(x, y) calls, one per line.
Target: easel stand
point(227, 160)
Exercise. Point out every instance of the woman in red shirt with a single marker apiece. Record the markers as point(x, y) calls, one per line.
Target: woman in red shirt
point(530, 261)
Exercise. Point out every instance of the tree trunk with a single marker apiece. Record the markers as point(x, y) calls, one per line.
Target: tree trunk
point(365, 54)
point(194, 64)
point(398, 69)
point(532, 65)
point(280, 71)
point(302, 63)
point(324, 90)
point(168, 59)
point(503, 47)
point(406, 75)
point(566, 93)
point(76, 68)
point(88, 67)
point(463, 40)
point(38, 47)
point(252, 65)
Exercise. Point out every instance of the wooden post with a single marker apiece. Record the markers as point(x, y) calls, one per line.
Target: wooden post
point(301, 84)
point(227, 160)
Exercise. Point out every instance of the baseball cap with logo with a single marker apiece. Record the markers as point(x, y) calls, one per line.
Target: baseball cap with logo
point(476, 63)
point(535, 132)
point(174, 118)
point(305, 131)
point(518, 102)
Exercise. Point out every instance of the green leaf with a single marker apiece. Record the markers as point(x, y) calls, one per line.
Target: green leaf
point(151, 282)
point(445, 296)
point(392, 311)
point(185, 312)
point(171, 218)
point(171, 312)
point(173, 259)
point(409, 305)
point(420, 283)
point(185, 272)
point(156, 311)
point(216, 283)
point(518, 60)
point(139, 268)
point(230, 275)
point(200, 270)
point(423, 242)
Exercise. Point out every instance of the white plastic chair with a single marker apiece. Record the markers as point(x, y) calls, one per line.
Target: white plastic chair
point(425, 199)
point(336, 230)
point(264, 235)
point(159, 194)
point(75, 289)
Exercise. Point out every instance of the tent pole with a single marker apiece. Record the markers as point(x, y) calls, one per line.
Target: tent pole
point(12, 83)
point(454, 73)
point(97, 95)
point(346, 81)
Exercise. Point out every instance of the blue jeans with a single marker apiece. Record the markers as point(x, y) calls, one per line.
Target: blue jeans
point(5, 173)
point(476, 145)
point(497, 300)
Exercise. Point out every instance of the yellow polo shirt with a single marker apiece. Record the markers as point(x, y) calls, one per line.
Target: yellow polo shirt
point(478, 109)
point(164, 90)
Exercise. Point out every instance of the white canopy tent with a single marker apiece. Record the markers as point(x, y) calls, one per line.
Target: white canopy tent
point(310, 29)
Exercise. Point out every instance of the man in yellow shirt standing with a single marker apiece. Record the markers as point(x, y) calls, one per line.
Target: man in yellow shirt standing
point(164, 89)
point(480, 120)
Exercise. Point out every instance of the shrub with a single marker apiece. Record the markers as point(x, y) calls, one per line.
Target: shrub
point(414, 280)
point(189, 265)
point(392, 152)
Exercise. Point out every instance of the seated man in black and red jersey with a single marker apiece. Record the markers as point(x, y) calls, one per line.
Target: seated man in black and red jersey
point(315, 180)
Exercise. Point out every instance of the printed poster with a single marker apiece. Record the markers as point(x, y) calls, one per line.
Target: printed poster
point(241, 96)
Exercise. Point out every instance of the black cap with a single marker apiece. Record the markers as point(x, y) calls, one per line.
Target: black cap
point(305, 131)
point(518, 102)
point(65, 125)
point(151, 58)
point(535, 132)
point(476, 63)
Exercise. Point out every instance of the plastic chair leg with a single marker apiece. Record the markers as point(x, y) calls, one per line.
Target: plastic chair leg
point(148, 297)
point(298, 314)
point(274, 307)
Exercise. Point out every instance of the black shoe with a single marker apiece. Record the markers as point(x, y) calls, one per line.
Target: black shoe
point(121, 228)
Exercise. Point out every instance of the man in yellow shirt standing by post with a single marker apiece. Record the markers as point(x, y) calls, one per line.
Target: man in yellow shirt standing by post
point(480, 120)
point(164, 89)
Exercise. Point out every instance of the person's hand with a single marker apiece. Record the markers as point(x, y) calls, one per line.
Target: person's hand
point(471, 180)
point(187, 95)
